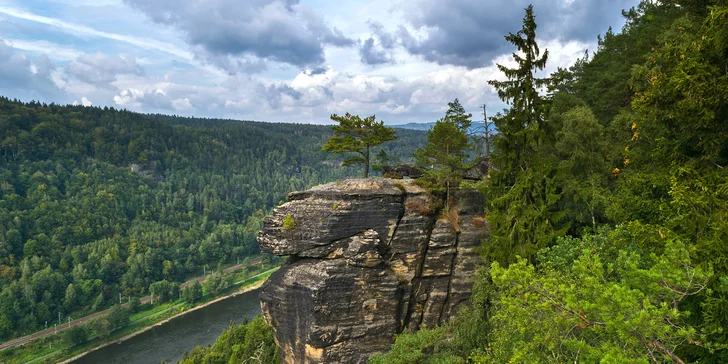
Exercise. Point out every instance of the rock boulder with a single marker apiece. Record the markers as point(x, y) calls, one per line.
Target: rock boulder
point(368, 259)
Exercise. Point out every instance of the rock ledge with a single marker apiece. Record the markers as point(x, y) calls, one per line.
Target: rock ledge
point(368, 259)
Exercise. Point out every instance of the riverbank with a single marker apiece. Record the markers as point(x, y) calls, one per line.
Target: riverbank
point(51, 349)
point(80, 320)
point(260, 279)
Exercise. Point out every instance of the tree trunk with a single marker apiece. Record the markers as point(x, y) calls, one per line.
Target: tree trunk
point(366, 163)
point(447, 199)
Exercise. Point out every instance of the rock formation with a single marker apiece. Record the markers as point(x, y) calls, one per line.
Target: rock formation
point(368, 259)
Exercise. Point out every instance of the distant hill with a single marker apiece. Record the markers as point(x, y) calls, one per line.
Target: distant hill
point(415, 126)
point(476, 128)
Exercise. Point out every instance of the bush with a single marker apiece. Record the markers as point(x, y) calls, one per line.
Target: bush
point(75, 335)
point(288, 223)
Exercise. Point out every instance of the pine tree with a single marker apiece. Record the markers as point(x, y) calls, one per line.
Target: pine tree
point(357, 135)
point(456, 113)
point(445, 153)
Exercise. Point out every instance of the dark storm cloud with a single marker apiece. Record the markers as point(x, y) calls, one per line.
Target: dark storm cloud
point(470, 32)
point(377, 51)
point(385, 39)
point(317, 70)
point(370, 54)
point(277, 30)
point(274, 93)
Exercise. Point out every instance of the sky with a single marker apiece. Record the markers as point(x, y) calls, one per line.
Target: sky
point(282, 60)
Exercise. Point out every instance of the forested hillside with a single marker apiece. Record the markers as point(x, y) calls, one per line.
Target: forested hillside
point(608, 203)
point(95, 202)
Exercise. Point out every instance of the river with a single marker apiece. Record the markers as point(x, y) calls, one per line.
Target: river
point(170, 340)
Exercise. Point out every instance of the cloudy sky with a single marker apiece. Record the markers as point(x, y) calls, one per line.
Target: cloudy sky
point(281, 60)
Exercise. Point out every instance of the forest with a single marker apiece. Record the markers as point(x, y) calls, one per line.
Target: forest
point(98, 203)
point(607, 201)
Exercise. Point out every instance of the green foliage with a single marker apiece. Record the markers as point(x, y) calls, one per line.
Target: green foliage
point(163, 291)
point(456, 114)
point(216, 283)
point(192, 292)
point(75, 335)
point(249, 342)
point(356, 135)
point(621, 166)
point(118, 316)
point(288, 223)
point(445, 156)
point(100, 327)
point(523, 190)
point(600, 298)
point(382, 159)
point(424, 346)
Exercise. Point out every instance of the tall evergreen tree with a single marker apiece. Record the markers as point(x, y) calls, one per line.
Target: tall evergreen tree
point(522, 192)
point(357, 135)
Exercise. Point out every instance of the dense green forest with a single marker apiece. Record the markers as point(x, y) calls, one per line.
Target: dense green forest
point(97, 203)
point(608, 203)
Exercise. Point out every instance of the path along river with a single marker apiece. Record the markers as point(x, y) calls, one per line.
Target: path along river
point(170, 340)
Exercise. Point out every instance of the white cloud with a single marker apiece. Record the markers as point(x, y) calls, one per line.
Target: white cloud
point(83, 31)
point(84, 101)
point(183, 105)
point(408, 89)
point(52, 50)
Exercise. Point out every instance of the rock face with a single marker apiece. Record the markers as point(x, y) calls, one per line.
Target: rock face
point(368, 259)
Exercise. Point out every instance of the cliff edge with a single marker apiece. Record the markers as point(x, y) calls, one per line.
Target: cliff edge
point(368, 259)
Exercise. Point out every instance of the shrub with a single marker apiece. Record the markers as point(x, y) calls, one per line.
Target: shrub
point(288, 223)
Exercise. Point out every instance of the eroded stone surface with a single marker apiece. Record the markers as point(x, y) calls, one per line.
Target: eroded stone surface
point(368, 258)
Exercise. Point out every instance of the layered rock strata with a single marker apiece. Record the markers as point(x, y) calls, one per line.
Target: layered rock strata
point(368, 259)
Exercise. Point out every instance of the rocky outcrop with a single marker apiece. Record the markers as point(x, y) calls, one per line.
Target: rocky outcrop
point(368, 258)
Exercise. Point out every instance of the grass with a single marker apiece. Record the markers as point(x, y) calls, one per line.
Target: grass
point(52, 348)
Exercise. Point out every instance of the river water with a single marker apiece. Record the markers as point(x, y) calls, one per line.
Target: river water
point(170, 340)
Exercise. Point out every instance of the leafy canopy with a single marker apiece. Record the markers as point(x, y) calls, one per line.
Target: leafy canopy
point(597, 299)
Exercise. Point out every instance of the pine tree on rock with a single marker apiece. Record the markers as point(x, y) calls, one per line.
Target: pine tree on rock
point(444, 155)
point(357, 135)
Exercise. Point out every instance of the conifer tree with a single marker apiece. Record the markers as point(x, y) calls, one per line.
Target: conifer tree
point(522, 192)
point(456, 113)
point(520, 123)
point(357, 135)
point(445, 154)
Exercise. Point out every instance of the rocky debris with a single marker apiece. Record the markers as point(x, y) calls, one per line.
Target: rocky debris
point(149, 169)
point(478, 170)
point(368, 259)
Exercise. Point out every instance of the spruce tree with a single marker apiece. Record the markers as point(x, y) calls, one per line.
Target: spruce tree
point(522, 191)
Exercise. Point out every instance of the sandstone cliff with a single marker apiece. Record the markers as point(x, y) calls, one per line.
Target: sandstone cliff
point(369, 258)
